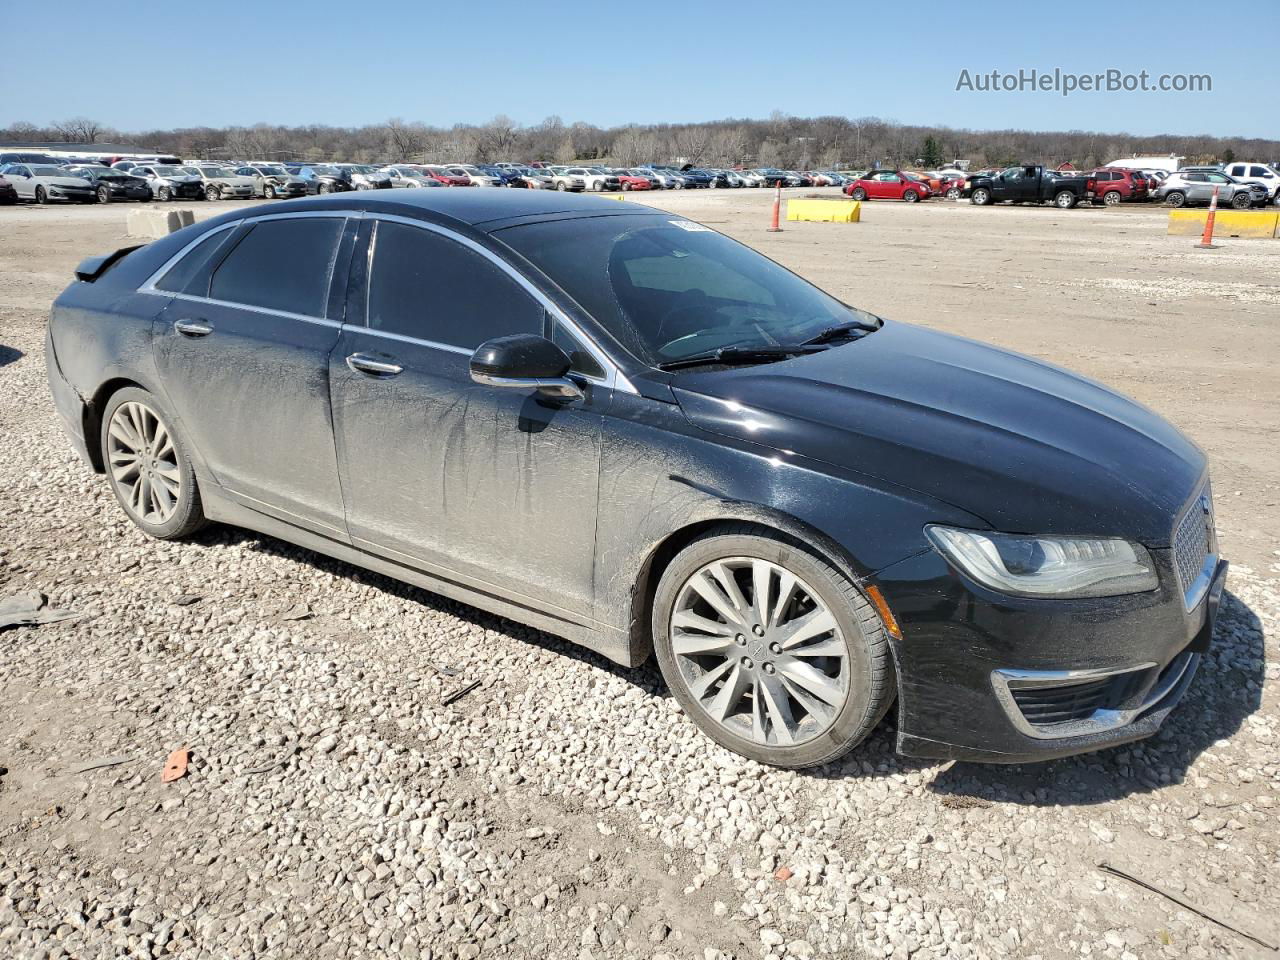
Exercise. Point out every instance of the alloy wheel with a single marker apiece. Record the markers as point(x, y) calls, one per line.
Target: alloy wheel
point(143, 462)
point(759, 651)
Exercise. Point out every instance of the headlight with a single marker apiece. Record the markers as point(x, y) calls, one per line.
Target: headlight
point(1047, 566)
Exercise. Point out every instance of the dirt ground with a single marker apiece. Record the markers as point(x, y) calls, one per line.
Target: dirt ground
point(566, 805)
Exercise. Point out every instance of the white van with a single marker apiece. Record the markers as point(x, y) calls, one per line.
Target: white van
point(1251, 171)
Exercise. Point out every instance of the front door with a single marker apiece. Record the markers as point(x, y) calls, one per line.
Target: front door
point(243, 354)
point(493, 488)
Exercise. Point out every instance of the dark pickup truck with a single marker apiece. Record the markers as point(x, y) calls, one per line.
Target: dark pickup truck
point(1029, 185)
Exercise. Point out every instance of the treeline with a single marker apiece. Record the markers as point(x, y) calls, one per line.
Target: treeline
point(781, 140)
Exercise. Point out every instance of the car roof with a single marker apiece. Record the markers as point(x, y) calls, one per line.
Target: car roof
point(483, 209)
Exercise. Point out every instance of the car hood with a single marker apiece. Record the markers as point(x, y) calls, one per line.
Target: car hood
point(1027, 446)
point(63, 181)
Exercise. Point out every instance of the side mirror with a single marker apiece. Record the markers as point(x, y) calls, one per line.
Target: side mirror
point(524, 362)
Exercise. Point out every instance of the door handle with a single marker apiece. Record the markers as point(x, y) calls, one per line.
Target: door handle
point(192, 328)
point(362, 363)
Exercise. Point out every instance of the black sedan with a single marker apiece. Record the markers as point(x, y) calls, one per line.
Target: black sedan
point(619, 426)
point(112, 184)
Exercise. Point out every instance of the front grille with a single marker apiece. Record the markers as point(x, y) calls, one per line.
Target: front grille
point(1192, 538)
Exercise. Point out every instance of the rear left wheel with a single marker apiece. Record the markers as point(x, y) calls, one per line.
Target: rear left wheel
point(769, 648)
point(104, 194)
point(148, 466)
point(1111, 198)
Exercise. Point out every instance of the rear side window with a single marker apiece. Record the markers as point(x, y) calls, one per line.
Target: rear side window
point(190, 275)
point(429, 287)
point(281, 265)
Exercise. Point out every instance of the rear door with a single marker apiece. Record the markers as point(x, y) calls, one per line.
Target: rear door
point(243, 351)
point(494, 488)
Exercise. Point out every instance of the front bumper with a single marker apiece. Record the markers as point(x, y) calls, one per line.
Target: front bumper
point(986, 677)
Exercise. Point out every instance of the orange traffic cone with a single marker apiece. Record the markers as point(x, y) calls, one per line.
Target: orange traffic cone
point(1206, 241)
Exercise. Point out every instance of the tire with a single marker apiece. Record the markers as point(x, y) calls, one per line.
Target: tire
point(212, 193)
point(164, 193)
point(130, 412)
point(862, 688)
point(1112, 198)
point(953, 193)
point(858, 194)
point(1064, 200)
point(1242, 201)
point(626, 188)
point(981, 196)
point(268, 192)
point(1176, 198)
point(41, 196)
point(104, 194)
point(910, 196)
point(323, 187)
point(561, 185)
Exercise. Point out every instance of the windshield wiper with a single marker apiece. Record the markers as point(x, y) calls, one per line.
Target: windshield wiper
point(840, 330)
point(742, 355)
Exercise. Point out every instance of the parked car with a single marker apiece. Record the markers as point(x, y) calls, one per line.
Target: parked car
point(26, 156)
point(695, 178)
point(1029, 184)
point(46, 183)
point(322, 178)
point(109, 184)
point(1114, 185)
point(404, 176)
point(476, 176)
point(1253, 172)
point(502, 174)
point(667, 178)
point(169, 182)
point(590, 179)
point(1194, 187)
point(750, 179)
point(888, 185)
point(608, 180)
point(565, 181)
point(773, 177)
point(644, 436)
point(271, 180)
point(8, 192)
point(533, 179)
point(365, 176)
point(221, 183)
point(627, 180)
point(443, 175)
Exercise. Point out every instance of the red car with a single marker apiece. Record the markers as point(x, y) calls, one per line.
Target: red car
point(1118, 184)
point(445, 177)
point(889, 185)
point(629, 181)
point(8, 192)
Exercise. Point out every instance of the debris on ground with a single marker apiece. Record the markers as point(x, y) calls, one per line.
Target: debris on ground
point(459, 694)
point(98, 764)
point(175, 768)
point(27, 608)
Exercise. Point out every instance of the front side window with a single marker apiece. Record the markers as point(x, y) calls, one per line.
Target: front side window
point(281, 265)
point(427, 286)
point(668, 289)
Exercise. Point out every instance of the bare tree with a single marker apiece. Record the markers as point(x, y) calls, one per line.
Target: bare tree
point(79, 130)
point(403, 142)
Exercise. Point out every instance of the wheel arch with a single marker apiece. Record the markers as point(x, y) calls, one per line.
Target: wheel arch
point(660, 555)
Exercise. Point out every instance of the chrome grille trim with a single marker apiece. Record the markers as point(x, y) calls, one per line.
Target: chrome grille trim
point(1193, 548)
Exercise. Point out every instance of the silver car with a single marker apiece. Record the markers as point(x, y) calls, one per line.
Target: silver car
point(406, 177)
point(45, 183)
point(270, 180)
point(365, 176)
point(221, 183)
point(1187, 187)
point(168, 182)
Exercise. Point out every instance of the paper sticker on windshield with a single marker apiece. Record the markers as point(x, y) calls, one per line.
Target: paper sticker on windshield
point(690, 226)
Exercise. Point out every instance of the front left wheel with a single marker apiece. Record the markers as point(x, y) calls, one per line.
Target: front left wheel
point(148, 466)
point(769, 648)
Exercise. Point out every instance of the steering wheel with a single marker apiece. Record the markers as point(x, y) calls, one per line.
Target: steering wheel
point(689, 302)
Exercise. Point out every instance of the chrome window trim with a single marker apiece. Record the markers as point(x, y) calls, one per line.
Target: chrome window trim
point(149, 285)
point(613, 378)
point(1005, 681)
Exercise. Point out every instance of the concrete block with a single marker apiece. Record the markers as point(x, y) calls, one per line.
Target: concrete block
point(824, 210)
point(1246, 224)
point(154, 224)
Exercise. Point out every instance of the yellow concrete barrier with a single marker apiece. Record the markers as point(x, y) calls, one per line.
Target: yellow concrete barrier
point(1249, 224)
point(613, 196)
point(824, 211)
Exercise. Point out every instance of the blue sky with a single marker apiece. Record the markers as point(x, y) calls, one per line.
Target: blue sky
point(353, 63)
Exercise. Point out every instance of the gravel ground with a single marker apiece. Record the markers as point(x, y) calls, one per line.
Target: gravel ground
point(337, 806)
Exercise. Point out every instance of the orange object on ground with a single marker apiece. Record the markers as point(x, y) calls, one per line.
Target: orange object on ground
point(175, 768)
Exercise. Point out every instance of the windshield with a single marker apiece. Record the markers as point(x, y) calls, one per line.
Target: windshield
point(217, 172)
point(273, 171)
point(48, 171)
point(669, 288)
point(325, 171)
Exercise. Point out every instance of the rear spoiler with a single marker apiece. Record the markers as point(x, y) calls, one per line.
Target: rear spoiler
point(94, 267)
